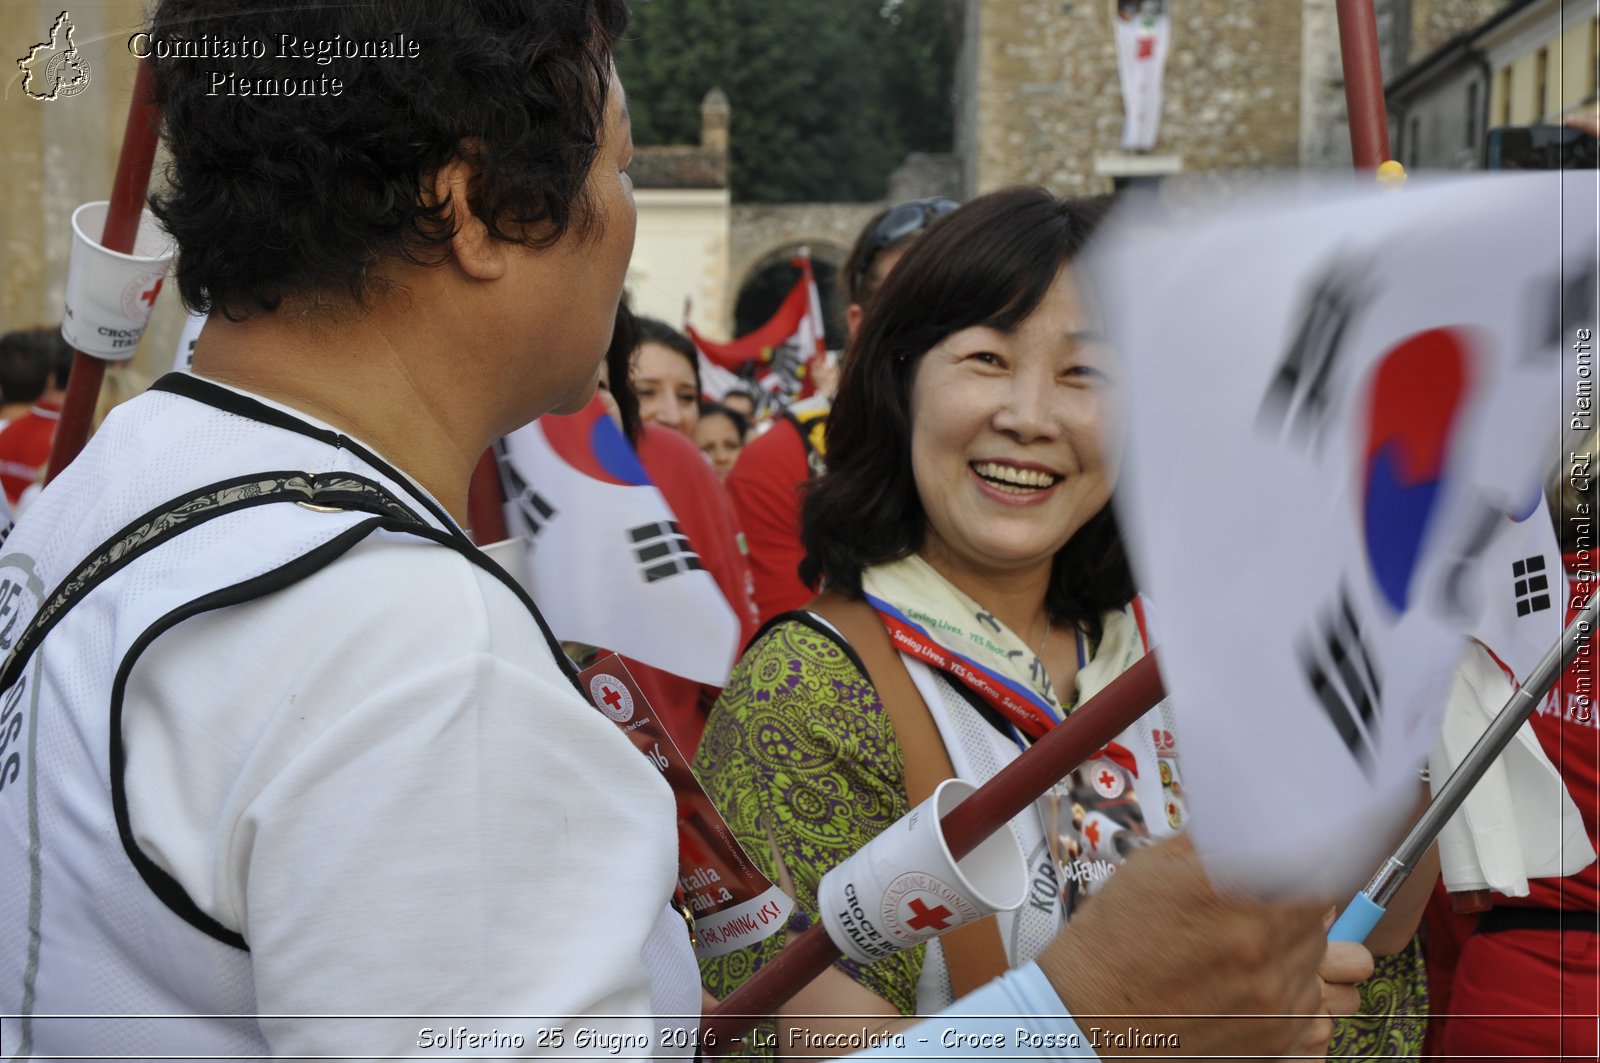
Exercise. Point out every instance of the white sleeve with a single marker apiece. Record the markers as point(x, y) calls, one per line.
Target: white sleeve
point(406, 812)
point(1018, 1015)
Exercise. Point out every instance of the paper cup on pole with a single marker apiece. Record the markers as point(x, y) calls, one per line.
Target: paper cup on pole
point(903, 887)
point(110, 294)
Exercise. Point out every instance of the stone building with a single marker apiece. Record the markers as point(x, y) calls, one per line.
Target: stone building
point(1516, 62)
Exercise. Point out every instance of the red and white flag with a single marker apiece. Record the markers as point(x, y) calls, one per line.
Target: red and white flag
point(607, 559)
point(781, 356)
point(1142, 29)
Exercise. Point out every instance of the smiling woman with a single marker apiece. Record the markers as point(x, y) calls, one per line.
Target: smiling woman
point(966, 510)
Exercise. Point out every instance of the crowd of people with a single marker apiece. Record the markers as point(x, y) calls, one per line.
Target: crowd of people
point(285, 758)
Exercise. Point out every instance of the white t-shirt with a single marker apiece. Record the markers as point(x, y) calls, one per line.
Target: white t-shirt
point(377, 776)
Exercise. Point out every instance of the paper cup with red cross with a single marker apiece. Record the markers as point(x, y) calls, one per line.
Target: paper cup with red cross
point(903, 887)
point(110, 294)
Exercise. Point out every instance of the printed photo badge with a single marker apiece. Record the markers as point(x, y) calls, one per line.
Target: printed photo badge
point(733, 903)
point(903, 887)
point(110, 294)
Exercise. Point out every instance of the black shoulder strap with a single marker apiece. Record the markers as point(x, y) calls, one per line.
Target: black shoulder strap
point(332, 491)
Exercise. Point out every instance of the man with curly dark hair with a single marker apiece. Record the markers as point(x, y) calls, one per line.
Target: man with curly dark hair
point(318, 758)
point(287, 765)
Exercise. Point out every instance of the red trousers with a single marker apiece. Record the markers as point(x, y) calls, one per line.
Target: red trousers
point(1528, 993)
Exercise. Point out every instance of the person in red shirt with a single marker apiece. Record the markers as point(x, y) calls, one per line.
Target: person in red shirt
point(1527, 979)
point(767, 480)
point(25, 441)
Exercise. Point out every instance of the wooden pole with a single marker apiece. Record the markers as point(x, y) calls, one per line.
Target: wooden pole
point(128, 191)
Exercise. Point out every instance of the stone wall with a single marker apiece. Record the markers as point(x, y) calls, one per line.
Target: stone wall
point(1435, 21)
point(762, 233)
point(1043, 74)
point(59, 153)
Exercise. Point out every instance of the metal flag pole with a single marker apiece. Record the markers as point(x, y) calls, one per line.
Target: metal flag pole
point(128, 190)
point(1369, 905)
point(995, 803)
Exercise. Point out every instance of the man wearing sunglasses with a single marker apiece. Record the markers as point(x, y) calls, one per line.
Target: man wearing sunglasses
point(765, 483)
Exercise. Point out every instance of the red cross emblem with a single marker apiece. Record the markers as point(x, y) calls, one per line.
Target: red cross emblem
point(1107, 779)
point(1091, 831)
point(937, 918)
point(611, 697)
point(1146, 48)
point(149, 297)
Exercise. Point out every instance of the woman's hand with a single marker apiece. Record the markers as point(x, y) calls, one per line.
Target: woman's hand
point(1344, 965)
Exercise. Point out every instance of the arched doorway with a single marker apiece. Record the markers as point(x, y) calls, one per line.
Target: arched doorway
point(763, 290)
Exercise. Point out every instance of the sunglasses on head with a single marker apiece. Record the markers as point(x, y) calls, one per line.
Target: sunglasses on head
point(899, 223)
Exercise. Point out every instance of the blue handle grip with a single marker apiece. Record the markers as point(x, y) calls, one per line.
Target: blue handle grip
point(1357, 921)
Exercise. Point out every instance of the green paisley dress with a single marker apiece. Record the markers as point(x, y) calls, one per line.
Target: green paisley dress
point(800, 757)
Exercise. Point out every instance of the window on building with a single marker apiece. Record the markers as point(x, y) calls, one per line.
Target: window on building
point(1472, 115)
point(1541, 77)
point(1504, 118)
point(1594, 58)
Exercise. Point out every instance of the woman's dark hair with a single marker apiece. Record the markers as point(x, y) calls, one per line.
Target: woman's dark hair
point(735, 418)
point(989, 263)
point(654, 330)
point(619, 364)
point(272, 194)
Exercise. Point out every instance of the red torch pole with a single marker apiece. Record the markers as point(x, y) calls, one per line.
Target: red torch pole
point(122, 226)
point(1363, 83)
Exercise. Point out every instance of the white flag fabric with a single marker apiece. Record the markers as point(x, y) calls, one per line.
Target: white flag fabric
point(1518, 822)
point(1329, 400)
point(607, 560)
point(1142, 29)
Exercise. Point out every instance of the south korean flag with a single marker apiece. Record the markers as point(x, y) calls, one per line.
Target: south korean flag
point(607, 561)
point(1336, 428)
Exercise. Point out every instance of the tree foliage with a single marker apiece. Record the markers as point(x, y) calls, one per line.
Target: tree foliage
point(828, 95)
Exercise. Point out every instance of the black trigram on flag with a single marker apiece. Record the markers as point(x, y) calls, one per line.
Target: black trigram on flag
point(1338, 668)
point(533, 506)
point(1301, 390)
point(1532, 586)
point(663, 550)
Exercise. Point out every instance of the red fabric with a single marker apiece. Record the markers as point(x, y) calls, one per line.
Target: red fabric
point(758, 345)
point(1568, 727)
point(704, 513)
point(25, 449)
point(1444, 931)
point(765, 487)
point(1541, 987)
point(1544, 983)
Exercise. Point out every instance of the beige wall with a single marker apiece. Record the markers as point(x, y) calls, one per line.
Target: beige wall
point(60, 153)
point(682, 251)
point(1564, 32)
